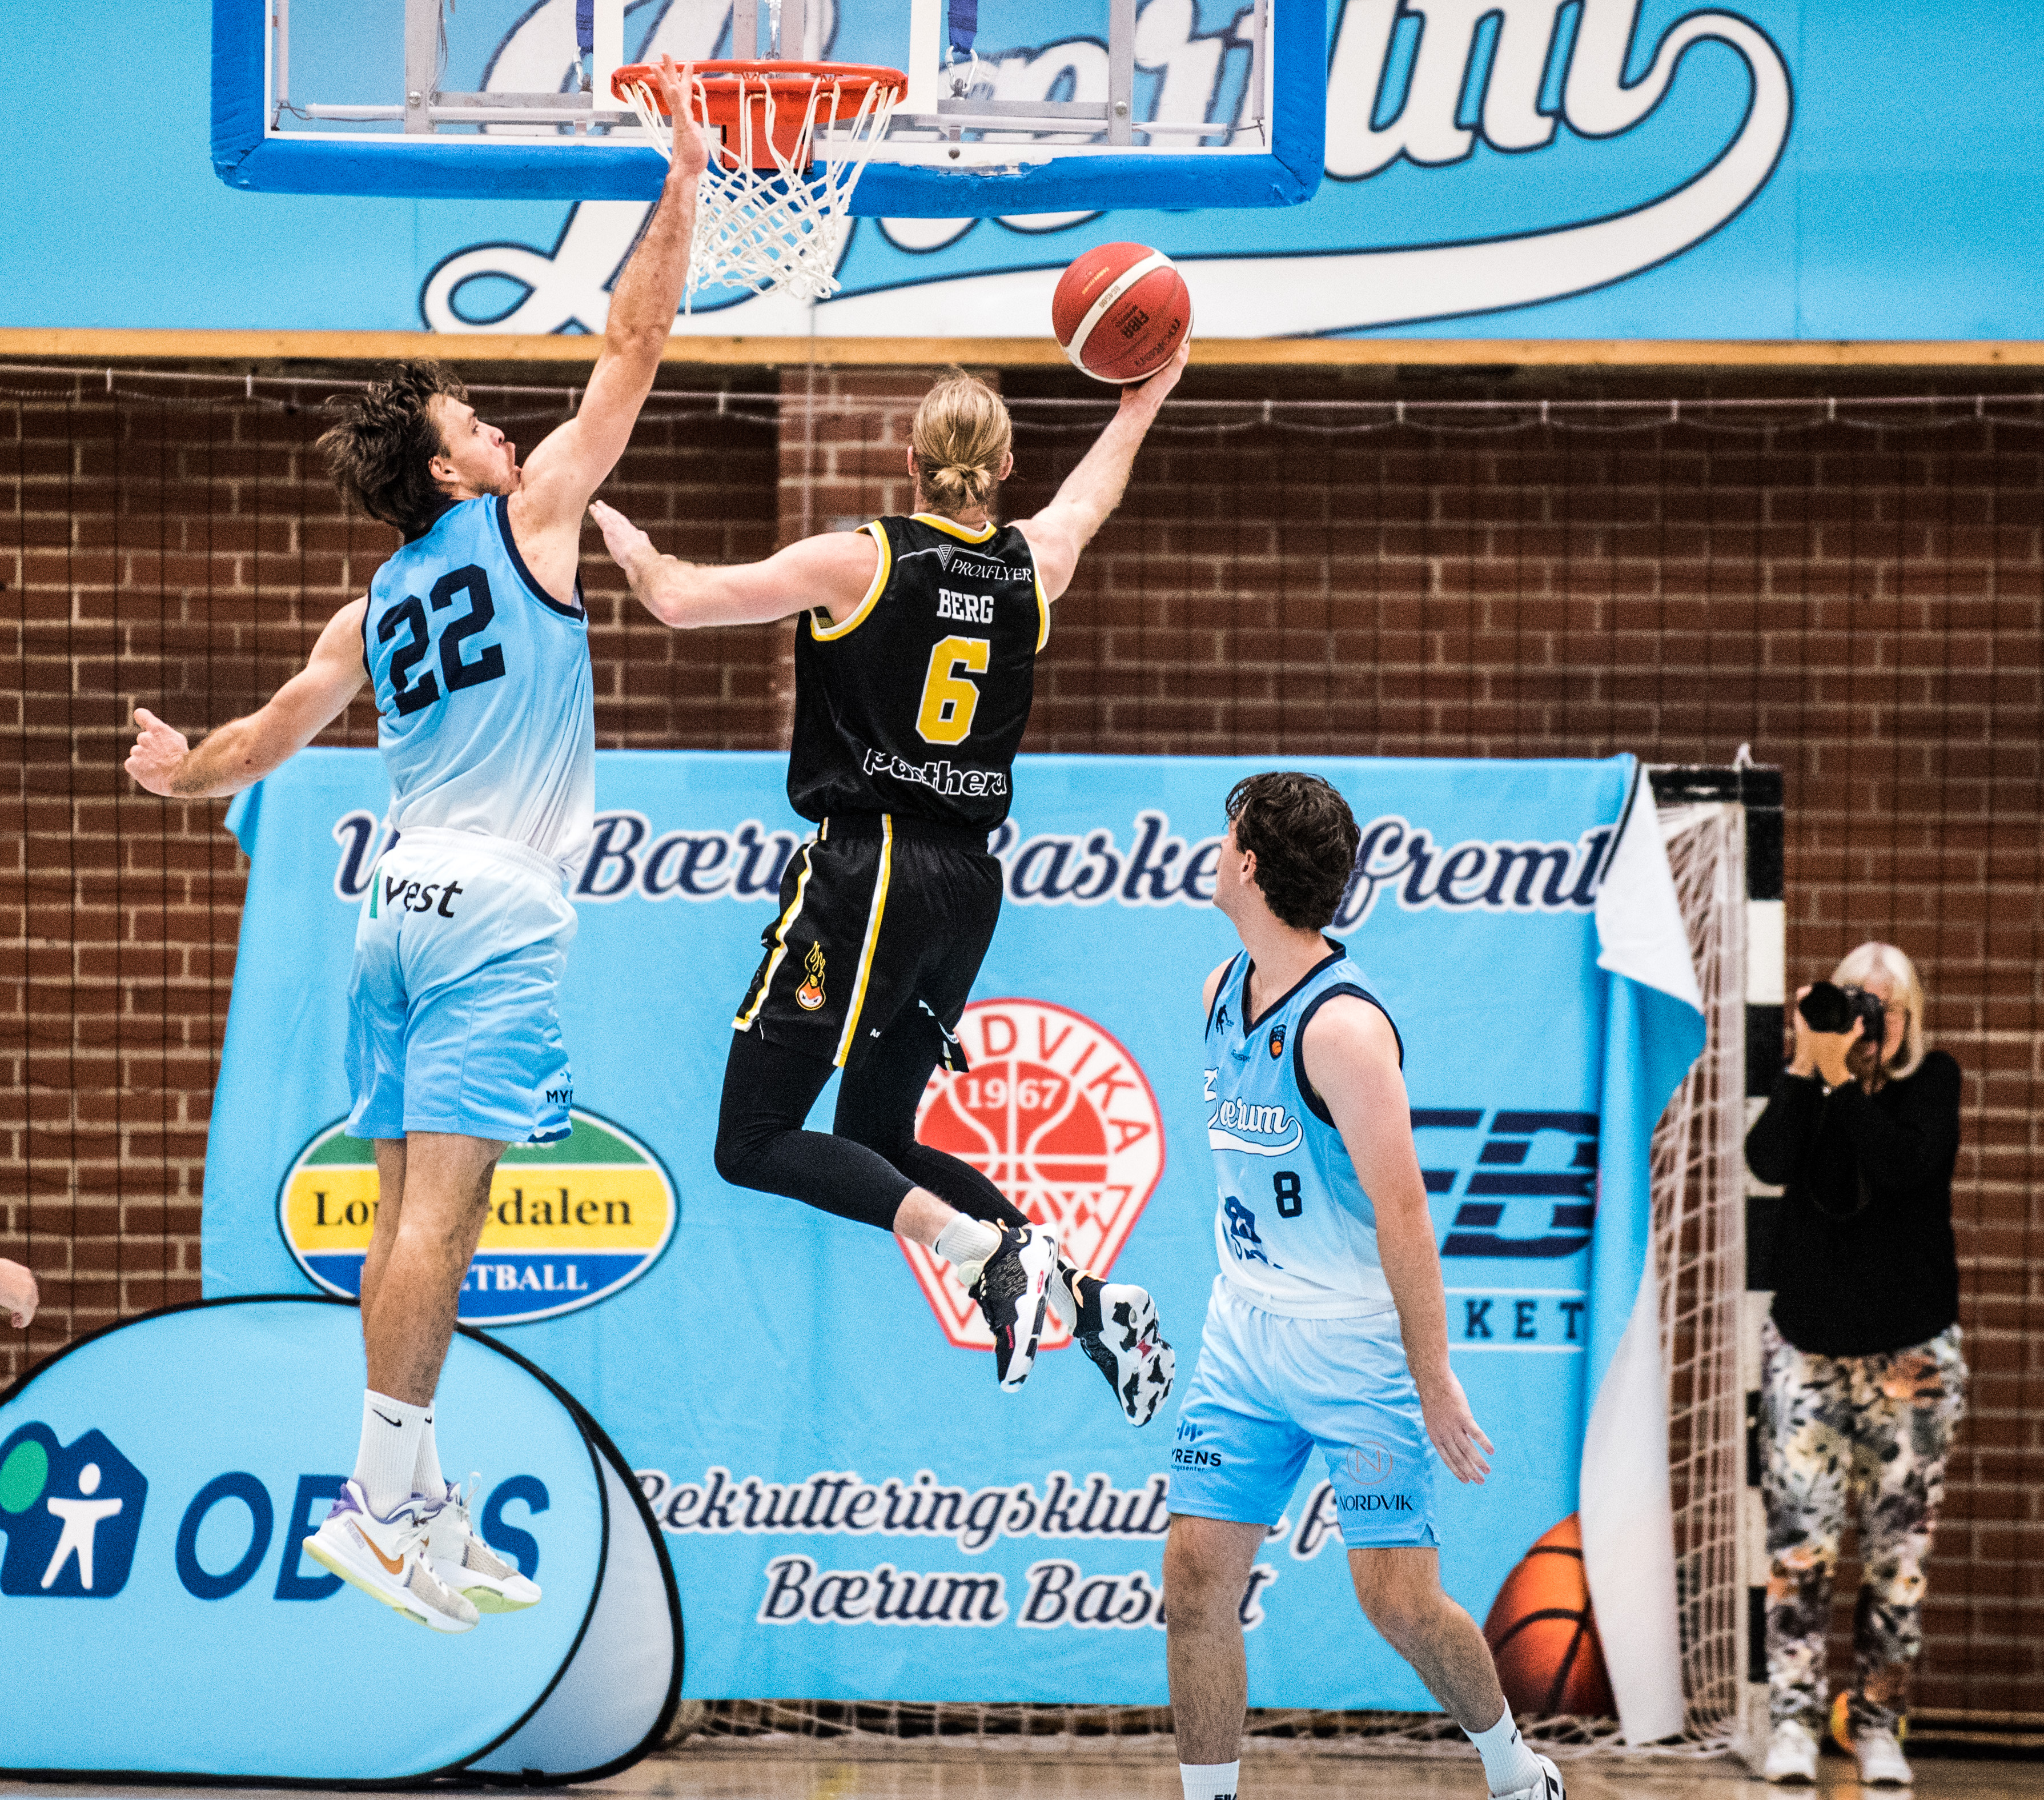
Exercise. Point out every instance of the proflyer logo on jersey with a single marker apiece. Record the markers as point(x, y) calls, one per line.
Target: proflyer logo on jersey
point(1059, 1117)
point(570, 1223)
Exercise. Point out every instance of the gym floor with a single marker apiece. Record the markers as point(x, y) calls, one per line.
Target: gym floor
point(1277, 1774)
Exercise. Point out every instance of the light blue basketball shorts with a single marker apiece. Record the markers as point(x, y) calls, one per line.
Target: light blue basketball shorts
point(453, 1021)
point(1268, 1391)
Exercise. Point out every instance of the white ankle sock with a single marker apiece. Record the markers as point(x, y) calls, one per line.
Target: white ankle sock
point(966, 1242)
point(1210, 1781)
point(390, 1454)
point(426, 1476)
point(1507, 1764)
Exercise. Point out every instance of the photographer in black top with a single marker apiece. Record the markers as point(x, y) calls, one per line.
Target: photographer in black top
point(1865, 1380)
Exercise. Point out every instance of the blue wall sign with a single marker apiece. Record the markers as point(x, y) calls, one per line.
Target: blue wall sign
point(852, 1508)
point(1541, 169)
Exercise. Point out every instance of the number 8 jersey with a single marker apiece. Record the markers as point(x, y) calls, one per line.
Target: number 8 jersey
point(1295, 1232)
point(486, 716)
point(915, 703)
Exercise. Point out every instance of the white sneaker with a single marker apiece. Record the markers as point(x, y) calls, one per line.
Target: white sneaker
point(1115, 1325)
point(1548, 1787)
point(386, 1558)
point(1881, 1763)
point(1791, 1754)
point(464, 1562)
point(1013, 1289)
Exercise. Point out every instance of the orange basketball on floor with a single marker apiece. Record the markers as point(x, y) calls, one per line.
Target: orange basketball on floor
point(1121, 311)
point(1543, 1635)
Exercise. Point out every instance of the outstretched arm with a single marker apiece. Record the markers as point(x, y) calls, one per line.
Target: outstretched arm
point(1351, 1055)
point(571, 464)
point(239, 754)
point(833, 571)
point(1094, 488)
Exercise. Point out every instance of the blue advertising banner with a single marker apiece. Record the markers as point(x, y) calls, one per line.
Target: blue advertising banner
point(155, 1482)
point(1537, 168)
point(851, 1506)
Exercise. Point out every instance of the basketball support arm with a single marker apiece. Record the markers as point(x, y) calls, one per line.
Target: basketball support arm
point(1088, 495)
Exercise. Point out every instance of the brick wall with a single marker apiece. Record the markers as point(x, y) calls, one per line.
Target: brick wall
point(1861, 601)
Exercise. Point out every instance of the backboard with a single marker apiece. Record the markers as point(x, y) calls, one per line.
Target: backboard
point(1014, 108)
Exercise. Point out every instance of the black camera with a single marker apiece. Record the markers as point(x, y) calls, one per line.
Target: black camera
point(1827, 1007)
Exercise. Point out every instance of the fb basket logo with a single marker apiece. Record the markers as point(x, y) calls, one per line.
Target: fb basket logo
point(72, 1515)
point(1057, 1115)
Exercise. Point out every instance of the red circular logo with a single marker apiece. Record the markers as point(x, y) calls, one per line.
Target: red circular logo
point(1058, 1115)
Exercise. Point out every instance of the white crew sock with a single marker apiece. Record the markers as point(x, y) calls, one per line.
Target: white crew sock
point(1210, 1781)
point(426, 1476)
point(966, 1244)
point(1507, 1764)
point(389, 1453)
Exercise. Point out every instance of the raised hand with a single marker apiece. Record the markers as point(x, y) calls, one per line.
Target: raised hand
point(676, 85)
point(159, 753)
point(630, 547)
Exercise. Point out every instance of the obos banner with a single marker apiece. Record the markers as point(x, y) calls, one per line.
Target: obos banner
point(155, 1483)
point(851, 1507)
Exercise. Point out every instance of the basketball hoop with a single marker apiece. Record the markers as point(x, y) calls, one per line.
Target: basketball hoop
point(773, 207)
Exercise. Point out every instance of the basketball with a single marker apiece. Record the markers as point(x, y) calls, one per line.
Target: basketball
point(1121, 311)
point(1543, 1636)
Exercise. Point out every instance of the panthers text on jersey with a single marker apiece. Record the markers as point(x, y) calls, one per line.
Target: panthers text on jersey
point(486, 715)
point(1295, 1232)
point(915, 704)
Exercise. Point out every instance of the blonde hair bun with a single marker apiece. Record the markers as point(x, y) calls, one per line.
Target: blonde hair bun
point(961, 438)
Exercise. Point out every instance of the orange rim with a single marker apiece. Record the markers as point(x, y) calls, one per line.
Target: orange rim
point(784, 90)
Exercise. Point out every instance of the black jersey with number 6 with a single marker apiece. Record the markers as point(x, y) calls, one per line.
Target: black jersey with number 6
point(915, 703)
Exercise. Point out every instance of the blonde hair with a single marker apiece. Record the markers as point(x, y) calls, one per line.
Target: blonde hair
point(1853, 971)
point(961, 438)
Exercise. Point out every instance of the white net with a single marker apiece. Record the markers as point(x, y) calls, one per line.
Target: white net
point(782, 224)
point(1699, 1238)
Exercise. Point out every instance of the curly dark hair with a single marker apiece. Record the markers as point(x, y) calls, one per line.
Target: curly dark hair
point(1304, 839)
point(380, 450)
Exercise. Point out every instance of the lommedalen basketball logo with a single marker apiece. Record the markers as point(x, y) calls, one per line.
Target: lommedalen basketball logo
point(1059, 1116)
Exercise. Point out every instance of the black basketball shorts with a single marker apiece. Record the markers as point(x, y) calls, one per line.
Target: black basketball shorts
point(879, 913)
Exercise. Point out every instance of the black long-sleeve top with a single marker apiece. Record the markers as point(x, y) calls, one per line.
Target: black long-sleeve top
point(1863, 1257)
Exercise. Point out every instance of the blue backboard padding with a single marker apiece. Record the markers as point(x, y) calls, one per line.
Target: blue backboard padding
point(460, 168)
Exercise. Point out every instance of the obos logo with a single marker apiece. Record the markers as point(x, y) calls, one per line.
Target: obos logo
point(71, 1516)
point(1058, 1116)
point(570, 1223)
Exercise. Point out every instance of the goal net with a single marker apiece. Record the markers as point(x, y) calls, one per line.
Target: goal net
point(1699, 1239)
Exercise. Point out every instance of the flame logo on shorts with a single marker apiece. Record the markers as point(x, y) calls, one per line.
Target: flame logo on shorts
point(810, 994)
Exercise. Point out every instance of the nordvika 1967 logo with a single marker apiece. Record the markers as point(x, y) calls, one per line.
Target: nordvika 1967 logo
point(1058, 1116)
point(570, 1223)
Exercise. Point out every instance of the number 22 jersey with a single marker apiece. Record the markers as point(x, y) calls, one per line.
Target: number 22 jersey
point(1296, 1233)
point(486, 715)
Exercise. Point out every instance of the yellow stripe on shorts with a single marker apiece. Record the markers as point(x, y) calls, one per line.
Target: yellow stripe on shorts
point(872, 938)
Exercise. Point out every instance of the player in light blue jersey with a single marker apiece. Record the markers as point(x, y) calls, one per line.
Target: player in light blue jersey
point(1328, 1328)
point(474, 640)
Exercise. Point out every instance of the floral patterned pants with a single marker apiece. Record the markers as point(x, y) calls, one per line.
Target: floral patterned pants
point(1864, 1439)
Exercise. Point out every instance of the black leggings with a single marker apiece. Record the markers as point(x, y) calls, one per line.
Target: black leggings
point(864, 1167)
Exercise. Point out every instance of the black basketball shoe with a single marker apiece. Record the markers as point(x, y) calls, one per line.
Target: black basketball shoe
point(1012, 1289)
point(1115, 1325)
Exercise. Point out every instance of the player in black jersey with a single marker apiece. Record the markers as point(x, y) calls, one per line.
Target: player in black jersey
point(915, 666)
